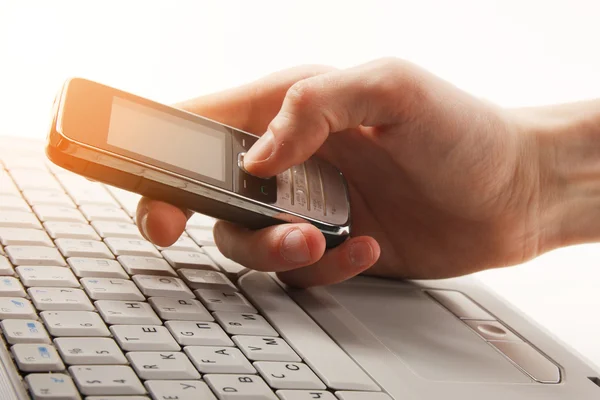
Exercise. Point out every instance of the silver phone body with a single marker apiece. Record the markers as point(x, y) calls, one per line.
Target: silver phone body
point(79, 140)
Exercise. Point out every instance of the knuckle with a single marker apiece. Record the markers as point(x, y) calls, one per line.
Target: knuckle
point(301, 94)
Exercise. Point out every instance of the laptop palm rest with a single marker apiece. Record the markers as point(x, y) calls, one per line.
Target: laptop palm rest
point(397, 332)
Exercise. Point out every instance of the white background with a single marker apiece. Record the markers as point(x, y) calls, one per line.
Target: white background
point(512, 52)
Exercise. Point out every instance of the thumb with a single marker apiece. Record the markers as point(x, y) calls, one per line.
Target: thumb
point(373, 94)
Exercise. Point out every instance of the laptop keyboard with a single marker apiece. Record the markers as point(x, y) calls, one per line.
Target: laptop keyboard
point(89, 309)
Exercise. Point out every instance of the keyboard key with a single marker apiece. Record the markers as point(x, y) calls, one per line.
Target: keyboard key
point(233, 387)
point(219, 360)
point(192, 333)
point(24, 331)
point(13, 203)
point(11, 287)
point(117, 229)
point(111, 289)
point(180, 390)
point(74, 323)
point(7, 186)
point(19, 219)
point(362, 396)
point(172, 308)
point(335, 368)
point(244, 324)
point(35, 255)
point(203, 237)
point(52, 387)
point(258, 348)
point(200, 221)
point(59, 299)
point(90, 351)
point(54, 213)
point(162, 365)
point(117, 398)
point(24, 237)
point(23, 161)
point(37, 357)
point(224, 300)
point(85, 192)
point(132, 247)
point(83, 248)
point(127, 312)
point(282, 375)
point(228, 266)
point(162, 286)
point(203, 279)
point(70, 230)
point(96, 268)
point(305, 395)
point(47, 276)
point(104, 213)
point(5, 267)
point(47, 198)
point(106, 380)
point(32, 179)
point(127, 200)
point(189, 259)
point(16, 308)
point(135, 265)
point(144, 338)
point(183, 243)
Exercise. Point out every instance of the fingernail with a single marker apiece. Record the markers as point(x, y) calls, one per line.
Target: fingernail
point(262, 149)
point(361, 254)
point(294, 247)
point(144, 226)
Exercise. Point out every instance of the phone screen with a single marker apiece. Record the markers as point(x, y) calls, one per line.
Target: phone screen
point(168, 139)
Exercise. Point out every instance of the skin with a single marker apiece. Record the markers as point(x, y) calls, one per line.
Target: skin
point(441, 183)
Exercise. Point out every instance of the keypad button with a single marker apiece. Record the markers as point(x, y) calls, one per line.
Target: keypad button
point(180, 390)
point(85, 267)
point(74, 323)
point(89, 351)
point(24, 331)
point(106, 380)
point(192, 333)
point(233, 387)
point(224, 300)
point(111, 289)
point(52, 386)
point(37, 357)
point(127, 312)
point(288, 375)
point(172, 308)
point(162, 365)
point(144, 338)
point(59, 299)
point(219, 360)
point(258, 348)
point(244, 324)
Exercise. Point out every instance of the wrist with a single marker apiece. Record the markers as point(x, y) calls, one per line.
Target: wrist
point(567, 139)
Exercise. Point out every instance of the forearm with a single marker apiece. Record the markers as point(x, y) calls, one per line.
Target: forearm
point(568, 142)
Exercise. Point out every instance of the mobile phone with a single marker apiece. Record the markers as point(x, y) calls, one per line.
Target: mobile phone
point(165, 153)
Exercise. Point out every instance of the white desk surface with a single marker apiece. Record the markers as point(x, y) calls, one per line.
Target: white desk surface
point(512, 52)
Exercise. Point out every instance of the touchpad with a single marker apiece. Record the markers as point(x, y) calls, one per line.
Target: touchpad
point(371, 319)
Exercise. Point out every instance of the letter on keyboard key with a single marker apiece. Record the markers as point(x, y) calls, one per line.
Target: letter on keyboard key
point(24, 331)
point(219, 360)
point(362, 396)
point(305, 395)
point(258, 348)
point(16, 308)
point(180, 390)
point(47, 276)
point(74, 323)
point(19, 219)
point(106, 380)
point(127, 312)
point(335, 368)
point(52, 387)
point(244, 324)
point(192, 333)
point(90, 351)
point(35, 255)
point(144, 338)
point(180, 309)
point(162, 365)
point(247, 387)
point(59, 299)
point(165, 286)
point(224, 300)
point(96, 268)
point(111, 289)
point(285, 375)
point(37, 357)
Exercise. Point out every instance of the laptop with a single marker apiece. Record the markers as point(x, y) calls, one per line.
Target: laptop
point(90, 310)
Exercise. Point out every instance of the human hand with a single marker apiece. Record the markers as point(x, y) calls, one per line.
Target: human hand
point(441, 183)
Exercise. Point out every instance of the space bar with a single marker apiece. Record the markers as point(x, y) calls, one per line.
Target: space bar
point(336, 369)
